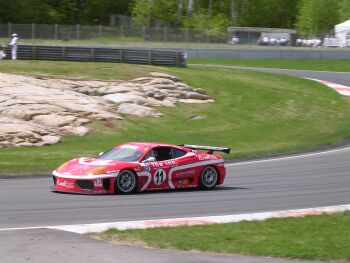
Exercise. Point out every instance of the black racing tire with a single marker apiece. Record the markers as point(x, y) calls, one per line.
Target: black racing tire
point(125, 182)
point(208, 178)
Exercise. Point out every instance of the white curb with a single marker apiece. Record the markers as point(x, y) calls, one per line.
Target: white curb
point(86, 228)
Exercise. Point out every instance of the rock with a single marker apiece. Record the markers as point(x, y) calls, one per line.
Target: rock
point(141, 111)
point(36, 111)
point(50, 139)
point(113, 89)
point(81, 121)
point(199, 90)
point(195, 118)
point(159, 96)
point(164, 75)
point(142, 79)
point(167, 103)
point(80, 130)
point(54, 120)
point(160, 81)
point(120, 98)
point(196, 96)
point(192, 101)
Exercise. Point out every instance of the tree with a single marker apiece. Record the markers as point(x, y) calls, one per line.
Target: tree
point(318, 17)
point(344, 9)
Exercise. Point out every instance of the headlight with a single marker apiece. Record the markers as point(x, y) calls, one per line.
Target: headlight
point(98, 170)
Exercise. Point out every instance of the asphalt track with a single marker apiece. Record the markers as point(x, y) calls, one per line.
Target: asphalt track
point(304, 181)
point(336, 77)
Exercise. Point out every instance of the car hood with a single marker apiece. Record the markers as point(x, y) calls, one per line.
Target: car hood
point(87, 166)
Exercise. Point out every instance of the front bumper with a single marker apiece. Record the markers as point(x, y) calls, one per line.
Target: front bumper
point(99, 184)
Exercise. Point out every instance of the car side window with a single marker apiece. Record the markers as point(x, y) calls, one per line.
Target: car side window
point(148, 155)
point(163, 153)
point(178, 152)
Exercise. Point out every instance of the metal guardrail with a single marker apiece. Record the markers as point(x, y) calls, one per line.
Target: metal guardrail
point(99, 54)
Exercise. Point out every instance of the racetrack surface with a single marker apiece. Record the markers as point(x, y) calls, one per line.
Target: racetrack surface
point(336, 77)
point(287, 183)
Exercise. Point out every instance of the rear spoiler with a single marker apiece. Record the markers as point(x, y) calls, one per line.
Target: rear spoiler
point(210, 149)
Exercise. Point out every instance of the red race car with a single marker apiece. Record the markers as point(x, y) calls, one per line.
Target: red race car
point(137, 166)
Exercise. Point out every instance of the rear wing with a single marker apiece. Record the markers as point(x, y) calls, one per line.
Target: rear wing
point(210, 149)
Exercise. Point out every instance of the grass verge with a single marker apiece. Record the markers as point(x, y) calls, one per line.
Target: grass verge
point(322, 65)
point(257, 114)
point(322, 237)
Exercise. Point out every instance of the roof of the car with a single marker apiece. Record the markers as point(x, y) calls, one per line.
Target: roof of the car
point(149, 144)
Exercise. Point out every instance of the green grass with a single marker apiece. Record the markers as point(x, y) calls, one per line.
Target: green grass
point(256, 114)
point(322, 237)
point(322, 65)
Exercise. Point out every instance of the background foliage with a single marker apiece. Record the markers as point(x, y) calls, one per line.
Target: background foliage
point(310, 17)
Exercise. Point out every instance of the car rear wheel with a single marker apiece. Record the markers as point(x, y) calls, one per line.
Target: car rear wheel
point(209, 178)
point(126, 182)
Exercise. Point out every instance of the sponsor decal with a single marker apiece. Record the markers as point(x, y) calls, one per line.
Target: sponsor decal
point(65, 184)
point(159, 177)
point(137, 169)
point(170, 163)
point(206, 157)
point(98, 182)
point(146, 167)
point(185, 174)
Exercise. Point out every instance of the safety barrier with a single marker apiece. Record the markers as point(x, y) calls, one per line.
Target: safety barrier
point(102, 54)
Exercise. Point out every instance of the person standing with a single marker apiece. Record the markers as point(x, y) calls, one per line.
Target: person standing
point(13, 45)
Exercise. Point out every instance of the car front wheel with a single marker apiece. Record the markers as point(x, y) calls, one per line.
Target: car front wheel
point(126, 182)
point(208, 178)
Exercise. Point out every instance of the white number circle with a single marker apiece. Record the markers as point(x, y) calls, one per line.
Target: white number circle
point(159, 177)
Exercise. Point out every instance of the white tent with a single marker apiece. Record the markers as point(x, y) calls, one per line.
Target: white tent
point(343, 27)
point(342, 36)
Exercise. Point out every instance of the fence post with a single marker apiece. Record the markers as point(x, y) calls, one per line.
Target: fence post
point(143, 33)
point(56, 32)
point(9, 28)
point(207, 35)
point(77, 30)
point(186, 36)
point(63, 53)
point(165, 37)
point(33, 52)
point(178, 59)
point(121, 31)
point(121, 56)
point(33, 31)
point(92, 51)
point(150, 57)
point(99, 31)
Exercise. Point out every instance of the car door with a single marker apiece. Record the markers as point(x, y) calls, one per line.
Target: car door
point(183, 175)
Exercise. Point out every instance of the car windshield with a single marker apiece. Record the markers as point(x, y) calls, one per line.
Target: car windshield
point(121, 154)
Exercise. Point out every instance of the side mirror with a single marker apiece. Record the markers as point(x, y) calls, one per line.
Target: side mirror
point(149, 160)
point(100, 154)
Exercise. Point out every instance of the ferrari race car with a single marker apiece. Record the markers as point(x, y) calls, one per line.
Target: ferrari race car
point(141, 167)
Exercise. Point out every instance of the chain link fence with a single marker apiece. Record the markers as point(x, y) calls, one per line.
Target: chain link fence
point(123, 35)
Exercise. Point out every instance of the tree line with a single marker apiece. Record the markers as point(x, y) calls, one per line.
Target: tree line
point(309, 17)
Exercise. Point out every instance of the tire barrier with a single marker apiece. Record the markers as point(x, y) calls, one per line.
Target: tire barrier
point(101, 54)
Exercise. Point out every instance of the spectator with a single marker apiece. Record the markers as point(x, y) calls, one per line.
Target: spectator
point(2, 52)
point(299, 42)
point(13, 45)
point(235, 40)
point(265, 41)
point(283, 42)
